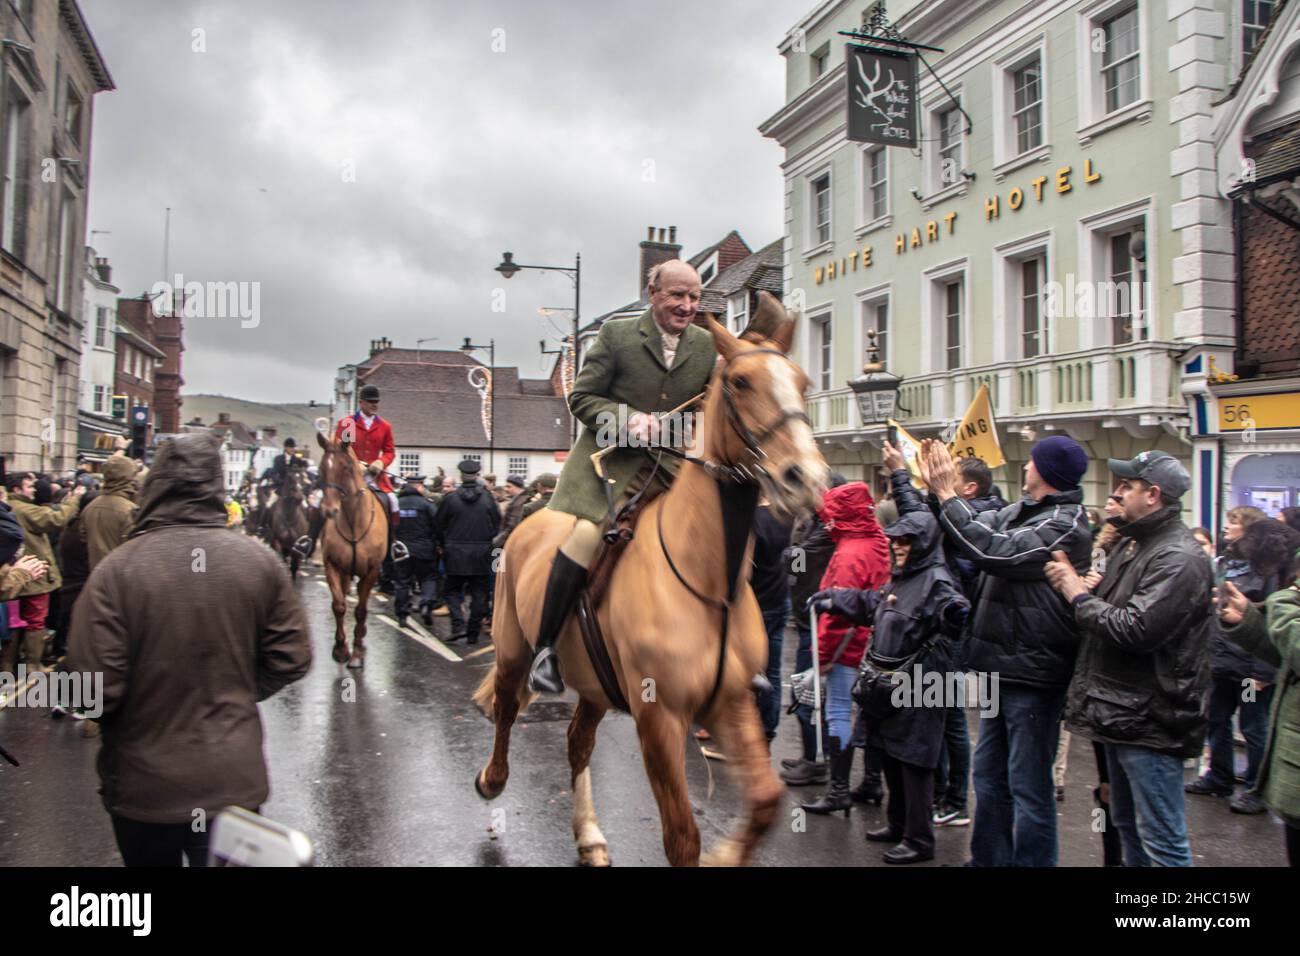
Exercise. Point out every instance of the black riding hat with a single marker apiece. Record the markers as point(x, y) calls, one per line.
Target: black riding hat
point(370, 393)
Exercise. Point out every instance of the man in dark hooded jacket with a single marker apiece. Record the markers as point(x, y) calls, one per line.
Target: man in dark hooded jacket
point(416, 531)
point(468, 519)
point(190, 627)
point(106, 522)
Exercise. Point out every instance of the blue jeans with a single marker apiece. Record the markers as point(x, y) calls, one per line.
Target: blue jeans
point(769, 703)
point(839, 703)
point(1146, 806)
point(952, 779)
point(804, 713)
point(1225, 697)
point(1015, 799)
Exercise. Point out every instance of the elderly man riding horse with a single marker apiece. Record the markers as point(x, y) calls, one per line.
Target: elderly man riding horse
point(646, 365)
point(371, 438)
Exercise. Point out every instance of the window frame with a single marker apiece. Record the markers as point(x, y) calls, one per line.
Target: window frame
point(514, 469)
point(934, 317)
point(1095, 232)
point(14, 169)
point(1006, 153)
point(868, 302)
point(814, 240)
point(1093, 116)
point(733, 313)
point(940, 104)
point(868, 217)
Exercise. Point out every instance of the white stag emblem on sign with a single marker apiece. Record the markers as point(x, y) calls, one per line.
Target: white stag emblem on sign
point(879, 95)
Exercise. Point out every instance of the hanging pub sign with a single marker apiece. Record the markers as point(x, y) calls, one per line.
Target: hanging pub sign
point(882, 96)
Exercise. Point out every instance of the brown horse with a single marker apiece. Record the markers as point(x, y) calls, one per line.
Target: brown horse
point(353, 541)
point(289, 519)
point(665, 609)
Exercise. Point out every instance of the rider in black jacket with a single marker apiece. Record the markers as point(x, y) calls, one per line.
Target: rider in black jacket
point(468, 519)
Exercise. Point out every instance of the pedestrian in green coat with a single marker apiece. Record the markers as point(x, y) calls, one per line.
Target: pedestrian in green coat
point(624, 373)
point(1274, 637)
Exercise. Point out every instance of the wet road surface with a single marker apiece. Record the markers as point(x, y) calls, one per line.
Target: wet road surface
point(377, 767)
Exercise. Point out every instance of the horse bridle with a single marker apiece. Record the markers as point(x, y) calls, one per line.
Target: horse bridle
point(345, 494)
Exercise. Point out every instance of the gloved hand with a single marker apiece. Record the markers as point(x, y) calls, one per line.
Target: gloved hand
point(823, 602)
point(375, 467)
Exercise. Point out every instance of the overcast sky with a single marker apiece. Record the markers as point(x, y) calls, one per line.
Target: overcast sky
point(457, 152)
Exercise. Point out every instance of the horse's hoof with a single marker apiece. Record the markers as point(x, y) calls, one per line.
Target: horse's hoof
point(357, 660)
point(724, 853)
point(482, 789)
point(340, 653)
point(596, 855)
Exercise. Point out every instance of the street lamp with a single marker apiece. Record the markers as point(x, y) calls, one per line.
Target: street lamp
point(876, 390)
point(491, 347)
point(509, 267)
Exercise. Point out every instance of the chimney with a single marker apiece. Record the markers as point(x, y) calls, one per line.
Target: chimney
point(379, 345)
point(104, 269)
point(655, 252)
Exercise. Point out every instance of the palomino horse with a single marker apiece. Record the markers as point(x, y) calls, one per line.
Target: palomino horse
point(353, 541)
point(665, 609)
point(289, 519)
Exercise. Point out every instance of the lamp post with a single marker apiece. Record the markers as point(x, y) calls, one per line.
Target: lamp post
point(491, 347)
point(508, 267)
point(420, 342)
point(875, 389)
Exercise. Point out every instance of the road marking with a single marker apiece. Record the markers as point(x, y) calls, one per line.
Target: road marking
point(480, 652)
point(432, 643)
point(18, 691)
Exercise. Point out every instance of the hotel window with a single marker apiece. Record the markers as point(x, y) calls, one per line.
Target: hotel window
point(14, 189)
point(1120, 60)
point(1127, 277)
point(820, 223)
point(948, 131)
point(1255, 16)
point(408, 463)
point(875, 184)
point(738, 312)
point(875, 315)
point(1033, 333)
point(472, 456)
point(1027, 105)
point(822, 346)
point(952, 324)
point(519, 466)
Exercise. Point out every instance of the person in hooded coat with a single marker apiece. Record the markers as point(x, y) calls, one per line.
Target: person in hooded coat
point(922, 607)
point(861, 560)
point(190, 627)
point(106, 522)
point(467, 521)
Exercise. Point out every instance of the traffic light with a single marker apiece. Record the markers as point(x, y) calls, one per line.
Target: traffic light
point(139, 431)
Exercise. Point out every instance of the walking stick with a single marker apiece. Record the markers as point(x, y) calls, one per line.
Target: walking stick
point(8, 756)
point(817, 681)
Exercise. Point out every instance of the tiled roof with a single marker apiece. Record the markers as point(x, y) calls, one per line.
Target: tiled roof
point(762, 270)
point(1276, 157)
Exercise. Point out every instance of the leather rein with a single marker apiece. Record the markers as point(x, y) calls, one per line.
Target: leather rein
point(347, 495)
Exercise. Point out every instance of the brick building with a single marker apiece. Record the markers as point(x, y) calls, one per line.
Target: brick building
point(139, 358)
point(51, 72)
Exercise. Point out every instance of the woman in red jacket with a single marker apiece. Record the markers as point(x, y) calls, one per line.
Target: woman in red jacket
point(861, 560)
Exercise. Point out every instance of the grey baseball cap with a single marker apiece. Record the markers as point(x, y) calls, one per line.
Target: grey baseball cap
point(1155, 468)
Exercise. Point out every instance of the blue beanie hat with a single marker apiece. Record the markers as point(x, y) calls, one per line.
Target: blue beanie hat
point(1061, 462)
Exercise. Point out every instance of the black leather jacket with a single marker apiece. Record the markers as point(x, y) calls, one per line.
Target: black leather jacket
point(1144, 661)
point(1021, 629)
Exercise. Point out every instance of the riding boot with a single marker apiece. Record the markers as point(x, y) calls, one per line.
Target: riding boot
point(837, 797)
point(9, 654)
point(566, 580)
point(872, 788)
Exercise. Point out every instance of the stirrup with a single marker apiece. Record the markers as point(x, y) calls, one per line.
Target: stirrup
point(303, 546)
point(760, 684)
point(399, 551)
point(550, 681)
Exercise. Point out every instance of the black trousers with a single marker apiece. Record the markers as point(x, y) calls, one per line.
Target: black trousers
point(159, 844)
point(457, 585)
point(1293, 844)
point(910, 789)
point(414, 574)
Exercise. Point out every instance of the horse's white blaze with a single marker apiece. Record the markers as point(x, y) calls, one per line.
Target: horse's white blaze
point(786, 392)
point(585, 829)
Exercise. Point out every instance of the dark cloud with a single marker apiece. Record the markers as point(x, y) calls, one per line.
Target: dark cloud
point(458, 151)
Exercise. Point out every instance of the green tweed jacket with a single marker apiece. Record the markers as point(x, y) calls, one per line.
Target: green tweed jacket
point(626, 367)
point(1274, 637)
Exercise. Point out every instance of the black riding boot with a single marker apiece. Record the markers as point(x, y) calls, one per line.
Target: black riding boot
point(562, 587)
point(837, 797)
point(871, 789)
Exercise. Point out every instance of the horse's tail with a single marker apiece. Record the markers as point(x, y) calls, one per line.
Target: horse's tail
point(486, 694)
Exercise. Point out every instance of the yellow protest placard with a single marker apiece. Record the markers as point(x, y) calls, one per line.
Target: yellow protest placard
point(977, 436)
point(910, 448)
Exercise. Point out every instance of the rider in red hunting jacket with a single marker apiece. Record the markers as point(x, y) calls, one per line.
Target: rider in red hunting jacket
point(372, 442)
